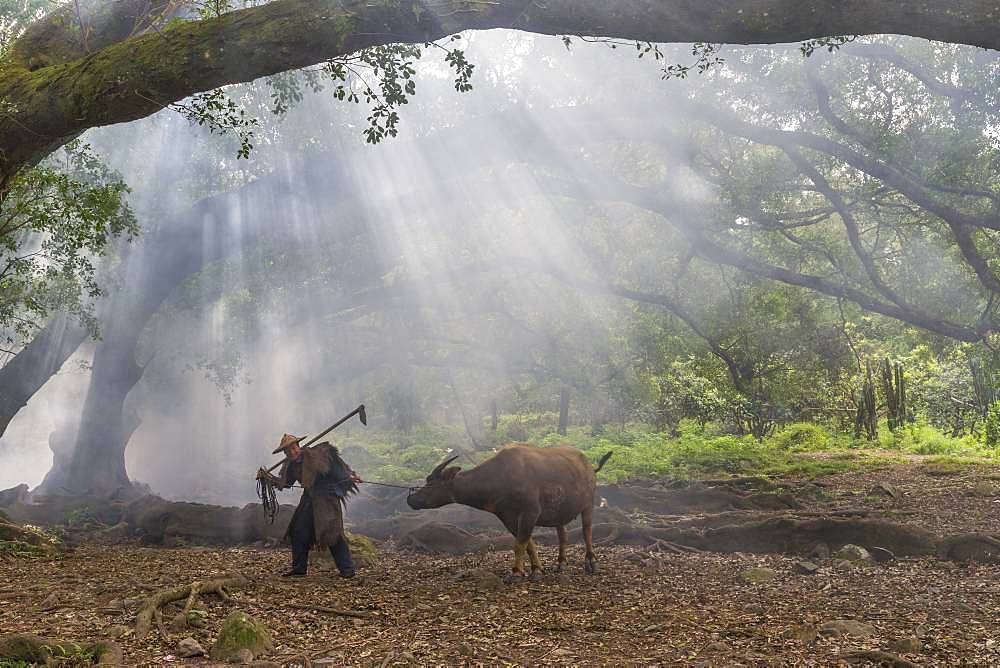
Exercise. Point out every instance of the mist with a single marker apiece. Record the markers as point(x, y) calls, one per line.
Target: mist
point(432, 277)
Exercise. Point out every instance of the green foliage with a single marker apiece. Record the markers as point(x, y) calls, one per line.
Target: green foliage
point(208, 9)
point(221, 115)
point(70, 655)
point(14, 663)
point(15, 549)
point(16, 15)
point(831, 44)
point(923, 439)
point(694, 451)
point(684, 392)
point(803, 437)
point(991, 434)
point(397, 456)
point(56, 220)
point(381, 77)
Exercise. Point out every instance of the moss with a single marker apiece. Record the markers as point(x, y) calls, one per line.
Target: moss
point(241, 631)
point(343, 26)
point(362, 549)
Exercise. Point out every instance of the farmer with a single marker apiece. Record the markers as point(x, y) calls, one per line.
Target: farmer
point(319, 518)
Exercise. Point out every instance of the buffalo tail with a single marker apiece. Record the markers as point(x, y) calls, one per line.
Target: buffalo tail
point(604, 460)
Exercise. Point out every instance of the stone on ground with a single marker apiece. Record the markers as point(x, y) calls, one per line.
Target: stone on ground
point(854, 553)
point(910, 645)
point(806, 568)
point(758, 575)
point(842, 627)
point(189, 648)
point(241, 632)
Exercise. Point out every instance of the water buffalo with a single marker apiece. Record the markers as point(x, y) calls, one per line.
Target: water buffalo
point(525, 487)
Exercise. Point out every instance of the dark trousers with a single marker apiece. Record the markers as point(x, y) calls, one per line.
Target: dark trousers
point(303, 536)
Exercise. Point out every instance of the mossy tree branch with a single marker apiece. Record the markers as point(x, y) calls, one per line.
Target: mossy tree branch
point(123, 81)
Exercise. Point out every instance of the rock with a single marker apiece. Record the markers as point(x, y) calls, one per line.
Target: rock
point(189, 648)
point(51, 602)
point(843, 565)
point(241, 632)
point(820, 551)
point(243, 656)
point(9, 497)
point(804, 633)
point(117, 632)
point(114, 533)
point(482, 579)
point(717, 646)
point(886, 489)
point(839, 627)
point(910, 645)
point(854, 553)
point(881, 555)
point(982, 489)
point(363, 549)
point(108, 654)
point(806, 568)
point(758, 575)
point(197, 619)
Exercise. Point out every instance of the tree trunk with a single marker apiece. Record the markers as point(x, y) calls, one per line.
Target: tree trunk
point(38, 361)
point(213, 229)
point(563, 410)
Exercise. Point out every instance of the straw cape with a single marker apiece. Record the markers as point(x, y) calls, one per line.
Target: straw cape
point(326, 479)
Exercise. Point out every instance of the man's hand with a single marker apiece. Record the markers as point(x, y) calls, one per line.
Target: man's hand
point(266, 475)
point(355, 477)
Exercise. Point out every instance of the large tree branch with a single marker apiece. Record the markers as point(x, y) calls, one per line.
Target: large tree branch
point(139, 75)
point(850, 224)
point(688, 218)
point(742, 374)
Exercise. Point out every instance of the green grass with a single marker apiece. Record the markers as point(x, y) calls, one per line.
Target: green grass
point(797, 449)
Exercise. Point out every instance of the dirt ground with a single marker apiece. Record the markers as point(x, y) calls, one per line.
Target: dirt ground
point(643, 607)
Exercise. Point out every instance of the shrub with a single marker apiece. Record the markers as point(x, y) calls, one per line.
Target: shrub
point(802, 437)
point(923, 439)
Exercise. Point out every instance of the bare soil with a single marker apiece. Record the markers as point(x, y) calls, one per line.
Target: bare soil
point(647, 606)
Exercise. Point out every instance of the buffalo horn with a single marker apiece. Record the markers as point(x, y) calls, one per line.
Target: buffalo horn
point(440, 467)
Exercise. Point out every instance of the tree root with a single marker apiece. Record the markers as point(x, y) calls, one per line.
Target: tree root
point(150, 610)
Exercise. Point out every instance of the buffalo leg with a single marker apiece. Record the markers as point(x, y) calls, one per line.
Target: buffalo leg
point(561, 531)
point(586, 517)
point(536, 563)
point(525, 526)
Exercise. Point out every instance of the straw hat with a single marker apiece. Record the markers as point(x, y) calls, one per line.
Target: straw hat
point(287, 441)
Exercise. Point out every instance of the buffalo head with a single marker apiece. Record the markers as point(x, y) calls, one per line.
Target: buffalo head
point(438, 490)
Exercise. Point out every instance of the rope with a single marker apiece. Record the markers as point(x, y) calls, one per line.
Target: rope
point(268, 495)
point(386, 484)
point(269, 499)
